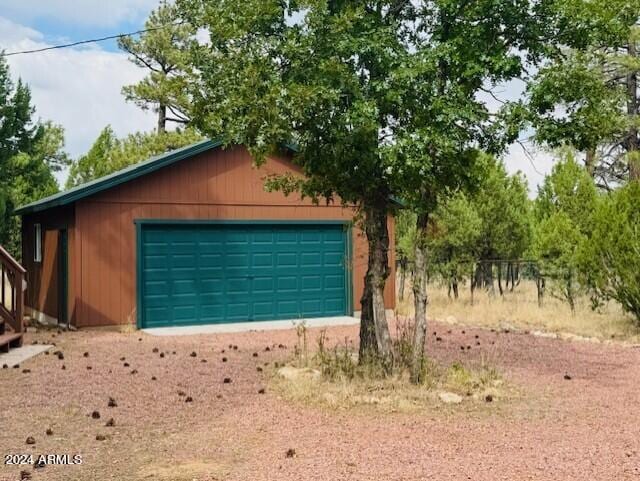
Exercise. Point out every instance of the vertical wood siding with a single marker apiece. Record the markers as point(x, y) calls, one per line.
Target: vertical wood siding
point(218, 184)
point(42, 277)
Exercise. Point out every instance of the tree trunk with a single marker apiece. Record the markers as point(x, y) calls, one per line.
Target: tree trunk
point(499, 265)
point(633, 143)
point(487, 274)
point(403, 276)
point(540, 287)
point(162, 118)
point(454, 285)
point(479, 275)
point(420, 300)
point(590, 162)
point(368, 345)
point(472, 282)
point(570, 293)
point(375, 339)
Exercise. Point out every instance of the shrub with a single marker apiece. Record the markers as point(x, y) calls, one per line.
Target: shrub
point(612, 258)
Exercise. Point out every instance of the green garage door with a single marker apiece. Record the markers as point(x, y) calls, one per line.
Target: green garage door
point(217, 273)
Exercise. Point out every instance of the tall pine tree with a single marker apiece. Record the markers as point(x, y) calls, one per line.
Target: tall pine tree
point(30, 152)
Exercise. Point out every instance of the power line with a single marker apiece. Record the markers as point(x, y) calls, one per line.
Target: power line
point(92, 40)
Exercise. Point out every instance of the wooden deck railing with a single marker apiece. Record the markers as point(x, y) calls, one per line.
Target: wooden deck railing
point(12, 276)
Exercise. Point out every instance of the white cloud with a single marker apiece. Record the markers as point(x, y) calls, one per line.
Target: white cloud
point(14, 34)
point(96, 13)
point(77, 88)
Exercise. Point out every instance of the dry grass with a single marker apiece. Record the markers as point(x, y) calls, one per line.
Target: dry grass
point(396, 394)
point(519, 309)
point(333, 378)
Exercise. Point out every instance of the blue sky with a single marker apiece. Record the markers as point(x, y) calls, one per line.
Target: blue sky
point(80, 87)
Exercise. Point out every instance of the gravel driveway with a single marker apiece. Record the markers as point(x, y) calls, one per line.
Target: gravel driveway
point(583, 428)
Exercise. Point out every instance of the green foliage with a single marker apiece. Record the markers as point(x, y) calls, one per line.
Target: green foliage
point(568, 189)
point(454, 235)
point(164, 52)
point(380, 97)
point(584, 96)
point(488, 222)
point(29, 154)
point(405, 231)
point(612, 257)
point(564, 224)
point(580, 87)
point(504, 209)
point(108, 153)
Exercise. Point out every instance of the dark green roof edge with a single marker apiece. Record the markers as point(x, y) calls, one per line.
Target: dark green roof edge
point(397, 201)
point(129, 173)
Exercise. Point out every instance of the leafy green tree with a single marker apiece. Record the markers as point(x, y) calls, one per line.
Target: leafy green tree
point(436, 151)
point(556, 246)
point(612, 256)
point(29, 154)
point(333, 77)
point(108, 153)
point(502, 204)
point(96, 162)
point(380, 97)
point(453, 240)
point(587, 95)
point(163, 51)
point(405, 230)
point(563, 225)
point(569, 190)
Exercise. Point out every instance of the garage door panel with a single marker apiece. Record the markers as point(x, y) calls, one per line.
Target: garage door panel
point(311, 259)
point(210, 260)
point(263, 310)
point(238, 310)
point(184, 314)
point(285, 238)
point(156, 261)
point(263, 238)
point(196, 274)
point(334, 282)
point(263, 285)
point(312, 306)
point(184, 287)
point(335, 304)
point(237, 285)
point(287, 283)
point(311, 283)
point(211, 286)
point(311, 237)
point(288, 308)
point(157, 315)
point(287, 259)
point(262, 259)
point(236, 260)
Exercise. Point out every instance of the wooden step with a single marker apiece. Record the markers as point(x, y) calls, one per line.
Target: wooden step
point(10, 340)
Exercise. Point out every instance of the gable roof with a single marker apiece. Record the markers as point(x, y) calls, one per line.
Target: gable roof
point(129, 173)
point(119, 177)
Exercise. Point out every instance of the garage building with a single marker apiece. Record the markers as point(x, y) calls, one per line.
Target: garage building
point(191, 237)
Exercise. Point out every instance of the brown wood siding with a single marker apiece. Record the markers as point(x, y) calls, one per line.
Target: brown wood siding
point(43, 277)
point(220, 184)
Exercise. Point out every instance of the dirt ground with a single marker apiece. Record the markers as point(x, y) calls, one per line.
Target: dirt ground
point(583, 428)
